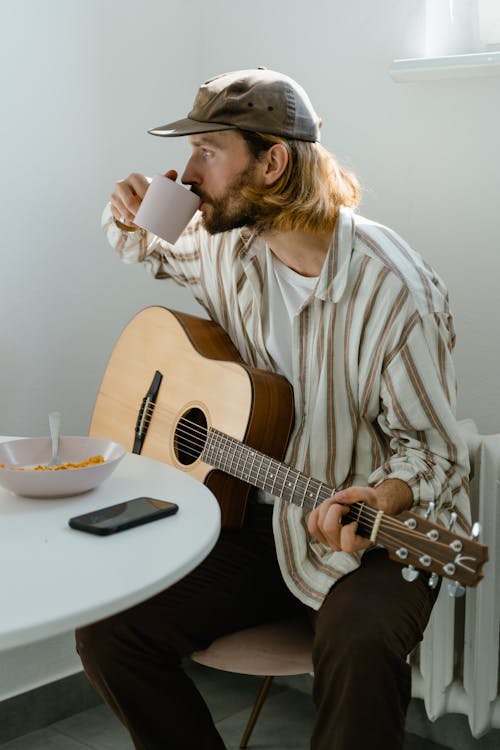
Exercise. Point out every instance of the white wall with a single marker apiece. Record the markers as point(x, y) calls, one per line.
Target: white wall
point(86, 78)
point(82, 81)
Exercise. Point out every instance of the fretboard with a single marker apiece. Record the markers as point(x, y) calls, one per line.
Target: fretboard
point(237, 459)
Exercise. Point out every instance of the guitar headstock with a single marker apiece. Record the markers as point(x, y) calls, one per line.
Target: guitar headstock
point(413, 540)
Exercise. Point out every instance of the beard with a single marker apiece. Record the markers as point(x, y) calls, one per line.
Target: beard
point(232, 210)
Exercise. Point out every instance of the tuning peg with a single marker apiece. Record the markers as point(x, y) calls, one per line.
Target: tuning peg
point(430, 510)
point(455, 589)
point(409, 573)
point(433, 580)
point(476, 531)
point(452, 521)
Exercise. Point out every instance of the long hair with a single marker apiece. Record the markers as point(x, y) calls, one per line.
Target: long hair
point(310, 191)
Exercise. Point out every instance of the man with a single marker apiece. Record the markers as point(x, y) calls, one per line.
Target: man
point(360, 325)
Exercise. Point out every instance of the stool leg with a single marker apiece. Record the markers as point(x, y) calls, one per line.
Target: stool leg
point(266, 683)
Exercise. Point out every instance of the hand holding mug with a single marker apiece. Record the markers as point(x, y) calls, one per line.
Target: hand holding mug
point(167, 208)
point(128, 194)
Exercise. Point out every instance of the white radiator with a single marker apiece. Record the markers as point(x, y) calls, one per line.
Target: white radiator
point(456, 668)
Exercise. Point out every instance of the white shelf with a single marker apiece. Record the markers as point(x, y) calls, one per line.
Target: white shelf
point(474, 65)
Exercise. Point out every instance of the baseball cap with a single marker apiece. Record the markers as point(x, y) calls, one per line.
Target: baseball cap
point(259, 100)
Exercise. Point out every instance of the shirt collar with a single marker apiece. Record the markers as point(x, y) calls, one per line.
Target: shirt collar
point(251, 243)
point(335, 272)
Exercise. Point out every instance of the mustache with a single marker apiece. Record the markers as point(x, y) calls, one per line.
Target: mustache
point(200, 193)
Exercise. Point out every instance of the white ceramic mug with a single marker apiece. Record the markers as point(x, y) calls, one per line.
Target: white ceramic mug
point(166, 208)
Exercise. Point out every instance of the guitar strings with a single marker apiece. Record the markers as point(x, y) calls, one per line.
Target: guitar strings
point(189, 429)
point(199, 443)
point(197, 435)
point(366, 515)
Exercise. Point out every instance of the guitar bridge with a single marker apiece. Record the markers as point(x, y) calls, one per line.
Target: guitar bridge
point(146, 412)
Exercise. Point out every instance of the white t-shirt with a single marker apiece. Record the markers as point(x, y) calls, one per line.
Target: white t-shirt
point(285, 292)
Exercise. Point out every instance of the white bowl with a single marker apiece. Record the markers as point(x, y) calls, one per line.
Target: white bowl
point(29, 452)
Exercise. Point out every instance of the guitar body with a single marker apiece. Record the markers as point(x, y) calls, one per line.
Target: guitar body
point(199, 376)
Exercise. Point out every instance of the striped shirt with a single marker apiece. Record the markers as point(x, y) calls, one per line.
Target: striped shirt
point(373, 377)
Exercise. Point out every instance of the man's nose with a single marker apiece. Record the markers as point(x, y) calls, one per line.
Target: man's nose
point(190, 176)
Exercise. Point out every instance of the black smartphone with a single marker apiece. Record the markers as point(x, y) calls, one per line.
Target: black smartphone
point(123, 515)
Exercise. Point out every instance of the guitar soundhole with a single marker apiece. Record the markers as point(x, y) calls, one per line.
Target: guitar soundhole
point(190, 436)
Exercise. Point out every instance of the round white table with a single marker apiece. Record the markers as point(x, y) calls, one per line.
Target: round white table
point(53, 578)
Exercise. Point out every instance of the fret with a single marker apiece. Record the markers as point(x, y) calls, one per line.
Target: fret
point(217, 449)
point(268, 461)
point(246, 473)
point(275, 475)
point(254, 455)
point(238, 454)
point(269, 475)
point(222, 453)
point(288, 470)
point(209, 451)
point(309, 501)
point(297, 475)
point(261, 482)
point(232, 457)
point(252, 472)
point(306, 490)
point(225, 455)
point(317, 496)
point(247, 458)
point(327, 490)
point(359, 507)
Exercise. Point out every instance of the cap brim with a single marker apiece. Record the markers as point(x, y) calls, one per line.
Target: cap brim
point(188, 127)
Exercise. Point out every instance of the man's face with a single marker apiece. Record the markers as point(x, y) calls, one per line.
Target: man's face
point(219, 167)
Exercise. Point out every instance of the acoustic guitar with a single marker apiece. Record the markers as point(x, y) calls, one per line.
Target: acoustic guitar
point(176, 389)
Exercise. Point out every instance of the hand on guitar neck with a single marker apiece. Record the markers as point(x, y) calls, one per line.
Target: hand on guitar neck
point(325, 523)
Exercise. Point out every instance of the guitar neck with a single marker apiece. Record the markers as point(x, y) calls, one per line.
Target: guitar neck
point(240, 461)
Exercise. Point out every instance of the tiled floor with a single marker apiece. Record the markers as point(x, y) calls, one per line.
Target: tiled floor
point(284, 724)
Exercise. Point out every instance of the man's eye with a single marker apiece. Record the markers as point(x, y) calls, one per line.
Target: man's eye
point(206, 153)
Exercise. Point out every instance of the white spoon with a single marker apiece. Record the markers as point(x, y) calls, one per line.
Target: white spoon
point(55, 427)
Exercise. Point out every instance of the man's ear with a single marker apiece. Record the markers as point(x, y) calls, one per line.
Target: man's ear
point(275, 162)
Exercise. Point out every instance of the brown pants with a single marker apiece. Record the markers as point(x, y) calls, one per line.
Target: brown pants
point(368, 623)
